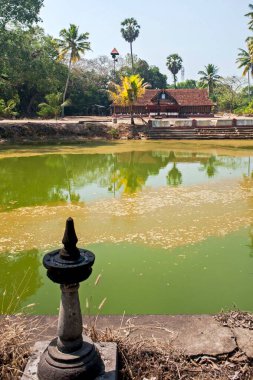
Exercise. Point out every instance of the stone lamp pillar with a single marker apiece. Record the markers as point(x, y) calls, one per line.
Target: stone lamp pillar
point(70, 356)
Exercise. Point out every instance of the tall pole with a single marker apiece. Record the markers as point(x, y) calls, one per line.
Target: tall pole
point(114, 54)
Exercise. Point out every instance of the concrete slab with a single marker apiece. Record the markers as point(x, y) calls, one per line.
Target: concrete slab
point(108, 352)
point(193, 335)
point(244, 339)
point(204, 336)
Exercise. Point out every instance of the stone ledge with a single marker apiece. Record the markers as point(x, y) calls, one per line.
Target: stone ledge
point(192, 334)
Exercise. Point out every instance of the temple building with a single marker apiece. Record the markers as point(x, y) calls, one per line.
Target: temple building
point(170, 102)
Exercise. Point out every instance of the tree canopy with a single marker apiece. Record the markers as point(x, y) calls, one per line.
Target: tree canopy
point(174, 64)
point(25, 12)
point(128, 91)
point(210, 77)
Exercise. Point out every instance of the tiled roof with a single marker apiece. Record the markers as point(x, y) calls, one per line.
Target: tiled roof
point(183, 97)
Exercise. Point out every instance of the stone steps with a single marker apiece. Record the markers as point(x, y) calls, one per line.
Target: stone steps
point(168, 133)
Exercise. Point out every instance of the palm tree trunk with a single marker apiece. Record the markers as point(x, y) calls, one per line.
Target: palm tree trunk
point(132, 59)
point(132, 114)
point(249, 84)
point(66, 87)
point(175, 80)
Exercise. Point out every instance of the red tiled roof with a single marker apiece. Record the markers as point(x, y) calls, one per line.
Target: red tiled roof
point(182, 97)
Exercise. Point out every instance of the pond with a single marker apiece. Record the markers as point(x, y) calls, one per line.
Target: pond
point(170, 223)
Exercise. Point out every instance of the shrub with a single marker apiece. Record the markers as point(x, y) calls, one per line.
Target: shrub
point(53, 107)
point(7, 108)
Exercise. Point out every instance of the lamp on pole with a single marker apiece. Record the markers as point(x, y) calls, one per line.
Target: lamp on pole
point(114, 54)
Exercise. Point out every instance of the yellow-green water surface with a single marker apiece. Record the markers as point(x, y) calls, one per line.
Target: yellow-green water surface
point(171, 225)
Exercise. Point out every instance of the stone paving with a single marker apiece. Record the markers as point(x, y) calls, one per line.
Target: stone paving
point(192, 334)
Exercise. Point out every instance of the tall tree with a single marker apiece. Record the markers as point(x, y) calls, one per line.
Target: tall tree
point(229, 93)
point(72, 45)
point(250, 15)
point(128, 91)
point(209, 77)
point(130, 32)
point(174, 64)
point(25, 12)
point(245, 61)
point(28, 60)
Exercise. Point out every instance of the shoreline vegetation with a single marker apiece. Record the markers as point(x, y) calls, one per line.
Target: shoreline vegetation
point(140, 355)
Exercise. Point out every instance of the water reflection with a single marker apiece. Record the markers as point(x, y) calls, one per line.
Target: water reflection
point(174, 177)
point(72, 178)
point(132, 169)
point(60, 179)
point(210, 166)
point(19, 279)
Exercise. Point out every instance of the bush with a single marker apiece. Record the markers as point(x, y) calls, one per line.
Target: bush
point(53, 107)
point(7, 108)
point(248, 110)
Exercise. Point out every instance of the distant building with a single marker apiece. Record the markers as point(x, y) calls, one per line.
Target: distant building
point(169, 102)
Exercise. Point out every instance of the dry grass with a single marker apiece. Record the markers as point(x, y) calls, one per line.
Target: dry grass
point(149, 359)
point(16, 336)
point(236, 318)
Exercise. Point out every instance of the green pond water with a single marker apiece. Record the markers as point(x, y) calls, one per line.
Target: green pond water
point(170, 225)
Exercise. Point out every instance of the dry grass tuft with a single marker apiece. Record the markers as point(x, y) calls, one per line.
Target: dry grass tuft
point(236, 318)
point(150, 359)
point(16, 336)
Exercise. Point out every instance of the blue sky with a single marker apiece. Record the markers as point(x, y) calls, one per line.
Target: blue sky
point(201, 31)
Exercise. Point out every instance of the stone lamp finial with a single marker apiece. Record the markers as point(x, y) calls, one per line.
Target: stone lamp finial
point(70, 250)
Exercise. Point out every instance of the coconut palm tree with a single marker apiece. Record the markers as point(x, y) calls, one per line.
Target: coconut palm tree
point(174, 64)
point(71, 45)
point(130, 32)
point(209, 77)
point(250, 15)
point(128, 91)
point(245, 61)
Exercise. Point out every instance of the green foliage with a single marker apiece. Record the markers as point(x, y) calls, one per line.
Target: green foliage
point(114, 133)
point(73, 44)
point(174, 64)
point(188, 83)
point(24, 12)
point(230, 94)
point(150, 74)
point(8, 108)
point(209, 78)
point(247, 111)
point(53, 107)
point(250, 15)
point(245, 60)
point(130, 30)
point(28, 59)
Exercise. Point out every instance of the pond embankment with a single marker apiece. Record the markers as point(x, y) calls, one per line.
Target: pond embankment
point(26, 132)
point(90, 128)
